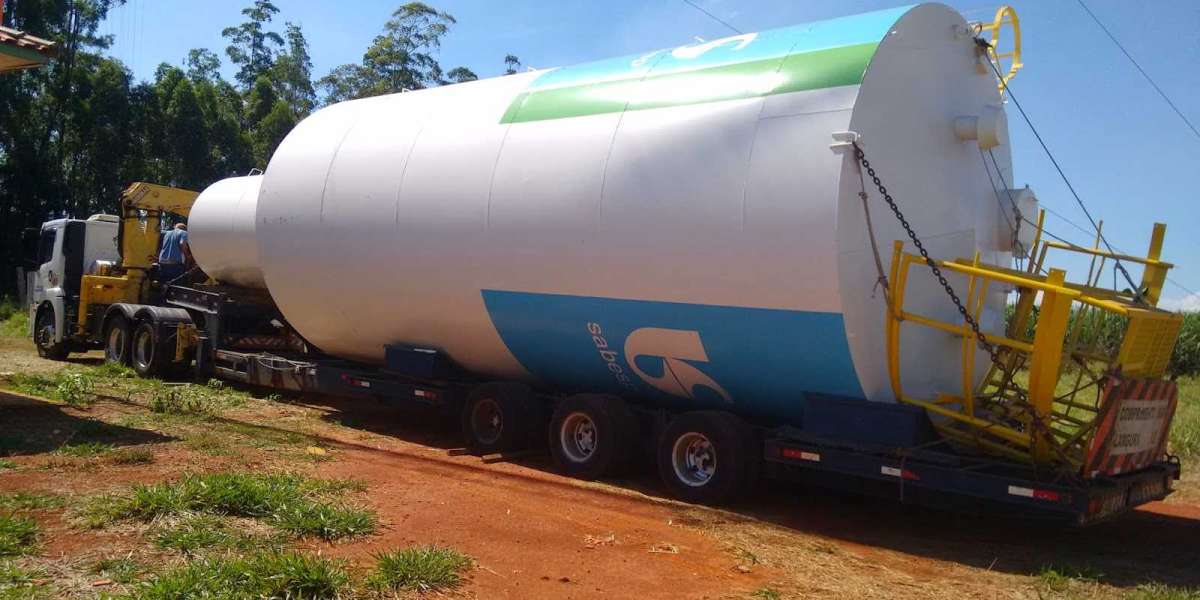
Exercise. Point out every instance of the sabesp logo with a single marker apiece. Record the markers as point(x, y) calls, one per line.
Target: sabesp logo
point(673, 347)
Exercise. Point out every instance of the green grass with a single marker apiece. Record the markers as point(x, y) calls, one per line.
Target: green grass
point(18, 534)
point(1159, 591)
point(1061, 578)
point(193, 534)
point(16, 501)
point(14, 319)
point(420, 568)
point(122, 569)
point(19, 583)
point(84, 449)
point(766, 594)
point(7, 464)
point(1185, 429)
point(261, 575)
point(76, 388)
point(131, 456)
point(294, 504)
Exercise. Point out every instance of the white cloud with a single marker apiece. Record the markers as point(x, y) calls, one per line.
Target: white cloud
point(1189, 303)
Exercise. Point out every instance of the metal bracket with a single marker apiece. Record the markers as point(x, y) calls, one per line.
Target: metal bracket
point(843, 141)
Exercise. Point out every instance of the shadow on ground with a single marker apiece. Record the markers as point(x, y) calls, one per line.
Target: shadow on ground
point(30, 426)
point(1145, 546)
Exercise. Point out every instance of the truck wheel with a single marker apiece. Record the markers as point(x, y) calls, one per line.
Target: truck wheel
point(592, 435)
point(150, 358)
point(116, 341)
point(43, 336)
point(497, 417)
point(707, 457)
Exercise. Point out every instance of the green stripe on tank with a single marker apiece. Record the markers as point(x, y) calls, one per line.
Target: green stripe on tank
point(819, 69)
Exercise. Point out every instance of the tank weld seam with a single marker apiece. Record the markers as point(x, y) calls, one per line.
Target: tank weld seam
point(612, 143)
point(758, 119)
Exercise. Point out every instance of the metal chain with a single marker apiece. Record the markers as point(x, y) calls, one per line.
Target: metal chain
point(937, 272)
point(993, 352)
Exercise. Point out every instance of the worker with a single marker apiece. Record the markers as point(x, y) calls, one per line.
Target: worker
point(175, 255)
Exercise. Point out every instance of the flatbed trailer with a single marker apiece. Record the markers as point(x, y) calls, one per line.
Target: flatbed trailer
point(878, 449)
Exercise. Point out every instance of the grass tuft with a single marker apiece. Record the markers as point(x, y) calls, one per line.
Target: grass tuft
point(766, 594)
point(17, 535)
point(1160, 591)
point(16, 501)
point(419, 568)
point(1060, 578)
point(262, 575)
point(121, 569)
point(193, 534)
point(84, 449)
point(289, 502)
point(131, 456)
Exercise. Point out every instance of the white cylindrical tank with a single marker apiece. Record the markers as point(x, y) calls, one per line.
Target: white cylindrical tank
point(673, 225)
point(221, 231)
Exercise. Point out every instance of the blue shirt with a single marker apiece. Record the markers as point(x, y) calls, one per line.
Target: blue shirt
point(172, 247)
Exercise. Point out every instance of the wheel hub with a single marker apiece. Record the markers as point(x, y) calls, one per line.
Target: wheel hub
point(488, 421)
point(694, 459)
point(578, 437)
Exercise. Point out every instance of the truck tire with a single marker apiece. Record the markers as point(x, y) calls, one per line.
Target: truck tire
point(497, 417)
point(149, 355)
point(707, 457)
point(117, 343)
point(43, 336)
point(592, 435)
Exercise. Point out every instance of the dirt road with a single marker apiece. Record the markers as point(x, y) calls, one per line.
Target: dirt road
point(535, 534)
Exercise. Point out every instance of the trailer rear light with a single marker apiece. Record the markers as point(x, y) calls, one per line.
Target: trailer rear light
point(799, 454)
point(1024, 492)
point(901, 473)
point(427, 394)
point(362, 383)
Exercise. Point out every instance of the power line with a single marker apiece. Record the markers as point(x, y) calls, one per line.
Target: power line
point(1149, 79)
point(712, 16)
point(1116, 262)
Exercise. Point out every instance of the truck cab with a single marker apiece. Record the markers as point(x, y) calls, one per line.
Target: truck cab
point(67, 249)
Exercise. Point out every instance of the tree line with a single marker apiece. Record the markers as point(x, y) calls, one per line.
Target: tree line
point(74, 133)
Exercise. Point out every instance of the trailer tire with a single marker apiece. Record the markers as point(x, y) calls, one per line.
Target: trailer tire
point(150, 357)
point(707, 457)
point(497, 417)
point(117, 340)
point(44, 333)
point(592, 435)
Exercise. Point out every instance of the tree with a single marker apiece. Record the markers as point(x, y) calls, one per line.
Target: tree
point(512, 64)
point(292, 72)
point(460, 75)
point(188, 138)
point(271, 130)
point(203, 64)
point(260, 101)
point(401, 58)
point(251, 47)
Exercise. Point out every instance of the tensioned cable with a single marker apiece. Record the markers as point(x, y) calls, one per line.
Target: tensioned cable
point(1116, 262)
point(1137, 66)
point(711, 16)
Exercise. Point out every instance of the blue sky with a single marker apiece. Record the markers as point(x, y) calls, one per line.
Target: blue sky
point(1128, 155)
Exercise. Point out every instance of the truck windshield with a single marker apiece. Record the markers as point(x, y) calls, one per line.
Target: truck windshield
point(45, 249)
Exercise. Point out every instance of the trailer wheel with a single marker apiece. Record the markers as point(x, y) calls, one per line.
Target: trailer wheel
point(44, 333)
point(497, 417)
point(150, 358)
point(116, 340)
point(707, 457)
point(592, 435)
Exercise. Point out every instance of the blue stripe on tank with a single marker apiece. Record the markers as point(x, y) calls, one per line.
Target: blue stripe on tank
point(752, 359)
